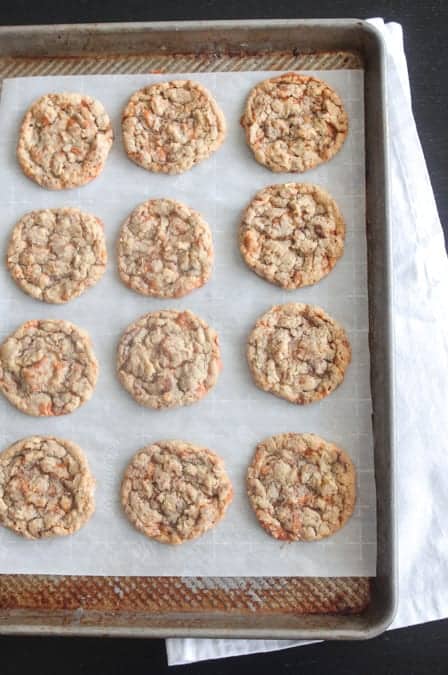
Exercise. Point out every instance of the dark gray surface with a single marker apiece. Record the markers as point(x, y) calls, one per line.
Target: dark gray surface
point(412, 651)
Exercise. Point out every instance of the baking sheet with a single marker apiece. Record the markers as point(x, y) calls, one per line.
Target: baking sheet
point(235, 415)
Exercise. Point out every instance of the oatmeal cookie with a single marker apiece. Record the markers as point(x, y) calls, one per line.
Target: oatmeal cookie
point(168, 358)
point(47, 367)
point(164, 249)
point(64, 140)
point(54, 255)
point(292, 234)
point(301, 487)
point(46, 488)
point(298, 352)
point(174, 491)
point(294, 122)
point(169, 127)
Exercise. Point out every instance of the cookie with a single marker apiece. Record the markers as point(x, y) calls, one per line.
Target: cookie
point(47, 367)
point(294, 122)
point(64, 140)
point(292, 234)
point(164, 249)
point(168, 358)
point(46, 488)
point(54, 255)
point(169, 127)
point(301, 487)
point(174, 491)
point(298, 352)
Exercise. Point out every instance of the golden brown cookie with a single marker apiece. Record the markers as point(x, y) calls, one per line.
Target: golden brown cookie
point(164, 249)
point(292, 234)
point(46, 488)
point(169, 127)
point(64, 140)
point(298, 352)
point(301, 487)
point(294, 122)
point(174, 491)
point(168, 358)
point(54, 255)
point(47, 367)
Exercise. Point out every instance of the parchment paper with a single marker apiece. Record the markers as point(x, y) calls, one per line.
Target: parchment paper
point(235, 415)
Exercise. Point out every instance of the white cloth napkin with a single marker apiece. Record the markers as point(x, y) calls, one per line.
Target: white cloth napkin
point(420, 301)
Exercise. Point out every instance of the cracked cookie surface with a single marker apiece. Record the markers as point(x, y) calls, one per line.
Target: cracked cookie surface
point(54, 255)
point(298, 352)
point(174, 491)
point(164, 249)
point(46, 488)
point(64, 140)
point(47, 367)
point(169, 127)
point(301, 487)
point(168, 358)
point(292, 234)
point(294, 122)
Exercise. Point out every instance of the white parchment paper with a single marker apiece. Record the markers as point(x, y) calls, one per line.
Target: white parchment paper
point(235, 415)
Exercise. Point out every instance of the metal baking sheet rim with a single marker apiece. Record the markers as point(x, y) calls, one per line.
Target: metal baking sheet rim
point(317, 36)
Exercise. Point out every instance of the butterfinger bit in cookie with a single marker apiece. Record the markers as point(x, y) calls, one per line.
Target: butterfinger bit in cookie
point(168, 358)
point(174, 491)
point(169, 127)
point(298, 352)
point(46, 488)
point(64, 140)
point(294, 122)
point(301, 487)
